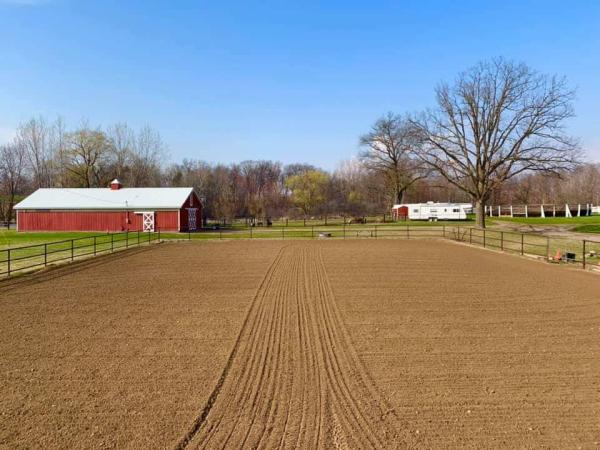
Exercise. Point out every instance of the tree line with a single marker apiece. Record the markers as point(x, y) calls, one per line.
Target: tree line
point(496, 135)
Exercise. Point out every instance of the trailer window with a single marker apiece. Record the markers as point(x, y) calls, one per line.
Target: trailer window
point(456, 210)
point(415, 210)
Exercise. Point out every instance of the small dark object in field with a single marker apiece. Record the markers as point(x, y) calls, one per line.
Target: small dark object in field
point(357, 220)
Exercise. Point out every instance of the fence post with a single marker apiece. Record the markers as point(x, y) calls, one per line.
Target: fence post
point(375, 231)
point(522, 243)
point(583, 254)
point(502, 240)
point(470, 235)
point(72, 250)
point(8, 260)
point(45, 255)
point(127, 239)
point(159, 235)
point(250, 232)
point(112, 242)
point(407, 231)
point(94, 245)
point(547, 248)
point(484, 238)
point(312, 232)
point(444, 231)
point(344, 227)
point(282, 233)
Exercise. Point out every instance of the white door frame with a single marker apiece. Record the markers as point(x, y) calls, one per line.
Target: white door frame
point(192, 225)
point(148, 221)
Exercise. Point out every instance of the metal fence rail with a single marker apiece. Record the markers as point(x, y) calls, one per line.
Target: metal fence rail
point(585, 253)
point(559, 250)
point(28, 257)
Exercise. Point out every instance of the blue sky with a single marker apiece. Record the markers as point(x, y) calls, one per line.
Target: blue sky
point(284, 80)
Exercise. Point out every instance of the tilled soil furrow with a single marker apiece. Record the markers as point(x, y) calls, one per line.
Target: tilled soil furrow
point(255, 378)
point(249, 337)
point(316, 386)
point(266, 400)
point(295, 381)
point(341, 367)
point(281, 414)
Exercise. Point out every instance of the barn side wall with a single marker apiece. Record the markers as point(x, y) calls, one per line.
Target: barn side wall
point(111, 221)
point(192, 202)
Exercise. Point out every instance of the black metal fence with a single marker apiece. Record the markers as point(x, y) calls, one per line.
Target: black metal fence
point(312, 232)
point(585, 253)
point(553, 249)
point(18, 259)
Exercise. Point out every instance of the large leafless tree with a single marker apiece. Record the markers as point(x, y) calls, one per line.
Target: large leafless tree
point(148, 152)
point(33, 137)
point(499, 119)
point(391, 149)
point(12, 177)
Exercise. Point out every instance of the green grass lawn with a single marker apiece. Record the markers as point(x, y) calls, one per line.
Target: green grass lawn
point(575, 221)
point(25, 251)
point(590, 228)
point(11, 238)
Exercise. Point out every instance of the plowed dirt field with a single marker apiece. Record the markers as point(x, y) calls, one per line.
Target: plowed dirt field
point(345, 344)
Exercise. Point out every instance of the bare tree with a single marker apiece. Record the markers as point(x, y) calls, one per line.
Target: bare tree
point(223, 193)
point(122, 143)
point(148, 153)
point(33, 137)
point(391, 149)
point(58, 134)
point(260, 187)
point(498, 120)
point(12, 168)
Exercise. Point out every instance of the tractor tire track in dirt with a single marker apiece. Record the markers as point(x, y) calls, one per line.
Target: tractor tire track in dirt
point(294, 379)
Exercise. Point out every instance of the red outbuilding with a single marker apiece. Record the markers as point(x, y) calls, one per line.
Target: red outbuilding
point(110, 209)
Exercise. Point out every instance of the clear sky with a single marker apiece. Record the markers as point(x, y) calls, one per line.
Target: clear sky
point(284, 80)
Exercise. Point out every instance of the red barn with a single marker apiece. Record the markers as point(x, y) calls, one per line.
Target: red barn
point(110, 209)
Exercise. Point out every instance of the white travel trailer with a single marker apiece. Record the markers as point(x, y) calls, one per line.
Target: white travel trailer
point(432, 211)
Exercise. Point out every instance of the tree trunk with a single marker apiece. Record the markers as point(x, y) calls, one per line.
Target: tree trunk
point(399, 196)
point(480, 213)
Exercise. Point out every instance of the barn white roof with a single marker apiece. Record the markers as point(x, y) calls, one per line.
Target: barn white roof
point(106, 198)
point(434, 204)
